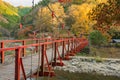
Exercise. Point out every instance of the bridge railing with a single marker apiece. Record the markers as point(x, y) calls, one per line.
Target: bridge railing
point(68, 48)
point(21, 43)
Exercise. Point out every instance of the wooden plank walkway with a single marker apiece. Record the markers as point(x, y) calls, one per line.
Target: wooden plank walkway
point(7, 72)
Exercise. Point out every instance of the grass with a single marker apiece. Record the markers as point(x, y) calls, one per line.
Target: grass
point(65, 75)
point(98, 59)
point(106, 52)
point(102, 52)
point(9, 52)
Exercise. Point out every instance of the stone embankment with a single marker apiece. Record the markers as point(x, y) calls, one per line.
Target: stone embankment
point(104, 66)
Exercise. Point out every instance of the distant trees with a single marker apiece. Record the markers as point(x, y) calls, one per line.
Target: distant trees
point(9, 13)
point(74, 16)
point(44, 2)
point(4, 32)
point(23, 10)
point(10, 17)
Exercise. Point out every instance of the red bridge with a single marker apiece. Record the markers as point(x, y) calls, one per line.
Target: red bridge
point(36, 57)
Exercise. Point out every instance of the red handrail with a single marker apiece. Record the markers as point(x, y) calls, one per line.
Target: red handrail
point(74, 46)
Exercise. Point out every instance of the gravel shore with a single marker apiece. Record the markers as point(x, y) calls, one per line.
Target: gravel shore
point(104, 66)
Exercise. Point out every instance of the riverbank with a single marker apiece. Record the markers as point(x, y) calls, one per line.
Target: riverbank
point(66, 75)
point(102, 66)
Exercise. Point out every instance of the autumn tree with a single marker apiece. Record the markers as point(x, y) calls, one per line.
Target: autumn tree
point(46, 20)
point(82, 24)
point(70, 20)
point(106, 15)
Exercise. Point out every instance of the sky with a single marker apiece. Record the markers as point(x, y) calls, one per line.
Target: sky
point(21, 2)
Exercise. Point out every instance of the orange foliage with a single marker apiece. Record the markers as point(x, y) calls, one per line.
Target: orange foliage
point(24, 31)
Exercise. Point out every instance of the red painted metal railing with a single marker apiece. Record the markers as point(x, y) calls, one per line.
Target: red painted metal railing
point(70, 47)
point(23, 42)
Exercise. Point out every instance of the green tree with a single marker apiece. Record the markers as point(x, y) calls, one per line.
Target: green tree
point(44, 2)
point(77, 1)
point(23, 10)
point(70, 20)
point(97, 38)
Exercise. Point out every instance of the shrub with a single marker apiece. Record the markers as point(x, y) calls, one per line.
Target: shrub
point(117, 45)
point(98, 59)
point(96, 38)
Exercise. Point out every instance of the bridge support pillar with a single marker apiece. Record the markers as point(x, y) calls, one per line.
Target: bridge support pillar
point(2, 55)
point(37, 41)
point(67, 57)
point(63, 49)
point(55, 63)
point(71, 52)
point(17, 64)
point(48, 71)
point(23, 50)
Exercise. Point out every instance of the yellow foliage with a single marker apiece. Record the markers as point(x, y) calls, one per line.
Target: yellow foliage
point(96, 1)
point(5, 8)
point(45, 15)
point(80, 13)
point(83, 24)
point(107, 36)
point(101, 1)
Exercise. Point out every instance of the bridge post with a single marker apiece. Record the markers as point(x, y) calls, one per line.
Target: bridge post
point(46, 40)
point(68, 45)
point(45, 72)
point(72, 48)
point(67, 51)
point(63, 47)
point(2, 55)
point(55, 53)
point(37, 46)
point(75, 47)
point(42, 59)
point(72, 45)
point(57, 57)
point(17, 64)
point(23, 50)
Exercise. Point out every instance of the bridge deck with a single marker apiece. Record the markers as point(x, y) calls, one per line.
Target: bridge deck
point(7, 72)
